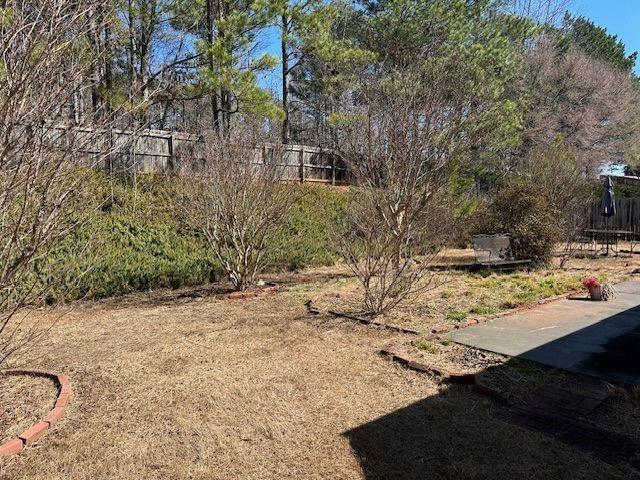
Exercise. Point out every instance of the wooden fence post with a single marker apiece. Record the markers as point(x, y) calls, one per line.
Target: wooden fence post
point(171, 162)
point(333, 169)
point(301, 164)
point(110, 154)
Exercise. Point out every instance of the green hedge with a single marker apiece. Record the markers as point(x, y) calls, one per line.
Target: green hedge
point(306, 236)
point(139, 239)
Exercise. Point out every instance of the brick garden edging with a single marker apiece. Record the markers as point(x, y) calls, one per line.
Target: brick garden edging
point(36, 431)
point(506, 313)
point(447, 375)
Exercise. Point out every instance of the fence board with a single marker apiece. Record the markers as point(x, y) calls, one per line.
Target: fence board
point(165, 151)
point(627, 216)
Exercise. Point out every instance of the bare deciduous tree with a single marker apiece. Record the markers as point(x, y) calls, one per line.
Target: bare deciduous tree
point(584, 101)
point(239, 200)
point(45, 60)
point(401, 141)
point(548, 12)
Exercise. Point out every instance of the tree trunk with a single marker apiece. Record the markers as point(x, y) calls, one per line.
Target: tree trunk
point(108, 74)
point(225, 95)
point(215, 109)
point(285, 80)
point(132, 55)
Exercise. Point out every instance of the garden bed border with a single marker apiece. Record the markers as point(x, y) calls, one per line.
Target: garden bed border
point(446, 374)
point(37, 430)
point(506, 313)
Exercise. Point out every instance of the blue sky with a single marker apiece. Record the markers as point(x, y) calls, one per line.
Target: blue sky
point(619, 17)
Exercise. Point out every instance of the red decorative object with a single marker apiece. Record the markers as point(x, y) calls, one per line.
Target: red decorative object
point(594, 287)
point(590, 283)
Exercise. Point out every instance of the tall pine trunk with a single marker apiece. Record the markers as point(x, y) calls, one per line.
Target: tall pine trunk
point(285, 81)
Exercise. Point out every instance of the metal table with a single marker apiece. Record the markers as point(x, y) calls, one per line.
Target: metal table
point(609, 235)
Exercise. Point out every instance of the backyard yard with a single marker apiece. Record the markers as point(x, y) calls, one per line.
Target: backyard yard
point(318, 240)
point(183, 384)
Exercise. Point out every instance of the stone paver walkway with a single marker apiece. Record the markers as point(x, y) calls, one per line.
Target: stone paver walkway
point(593, 338)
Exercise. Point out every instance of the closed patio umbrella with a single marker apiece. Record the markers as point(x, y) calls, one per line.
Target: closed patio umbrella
point(608, 199)
point(608, 204)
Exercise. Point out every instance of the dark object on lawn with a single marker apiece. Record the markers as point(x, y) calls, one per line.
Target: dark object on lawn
point(494, 251)
point(608, 204)
point(311, 309)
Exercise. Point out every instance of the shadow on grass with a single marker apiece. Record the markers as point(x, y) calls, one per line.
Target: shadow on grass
point(458, 434)
point(544, 433)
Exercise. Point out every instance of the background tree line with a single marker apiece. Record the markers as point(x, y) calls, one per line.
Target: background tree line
point(208, 62)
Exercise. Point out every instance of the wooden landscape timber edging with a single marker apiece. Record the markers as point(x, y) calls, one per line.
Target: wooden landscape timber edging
point(463, 378)
point(493, 316)
point(250, 293)
point(366, 321)
point(37, 430)
point(447, 375)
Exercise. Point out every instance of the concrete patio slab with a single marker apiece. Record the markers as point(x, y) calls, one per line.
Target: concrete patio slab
point(594, 338)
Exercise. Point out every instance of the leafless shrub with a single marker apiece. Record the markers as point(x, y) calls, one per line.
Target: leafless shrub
point(401, 141)
point(562, 179)
point(239, 199)
point(392, 263)
point(46, 58)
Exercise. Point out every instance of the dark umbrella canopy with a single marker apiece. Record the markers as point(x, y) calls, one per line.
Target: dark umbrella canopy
point(608, 199)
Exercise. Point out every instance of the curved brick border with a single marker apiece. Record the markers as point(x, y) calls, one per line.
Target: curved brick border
point(36, 431)
point(506, 313)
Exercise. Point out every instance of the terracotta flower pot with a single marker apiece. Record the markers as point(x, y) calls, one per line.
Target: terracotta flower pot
point(595, 292)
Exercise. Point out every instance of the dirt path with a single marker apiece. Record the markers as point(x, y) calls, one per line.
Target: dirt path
point(256, 389)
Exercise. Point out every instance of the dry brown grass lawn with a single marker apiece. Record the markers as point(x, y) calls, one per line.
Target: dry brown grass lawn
point(257, 389)
point(25, 399)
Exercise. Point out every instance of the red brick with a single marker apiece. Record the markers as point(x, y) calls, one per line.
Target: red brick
point(33, 434)
point(12, 447)
point(63, 400)
point(468, 323)
point(54, 415)
point(236, 295)
point(439, 330)
point(65, 384)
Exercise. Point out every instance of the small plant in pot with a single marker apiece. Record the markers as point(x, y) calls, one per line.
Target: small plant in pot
point(594, 287)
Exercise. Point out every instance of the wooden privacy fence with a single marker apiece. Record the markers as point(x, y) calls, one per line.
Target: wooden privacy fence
point(160, 151)
point(627, 216)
